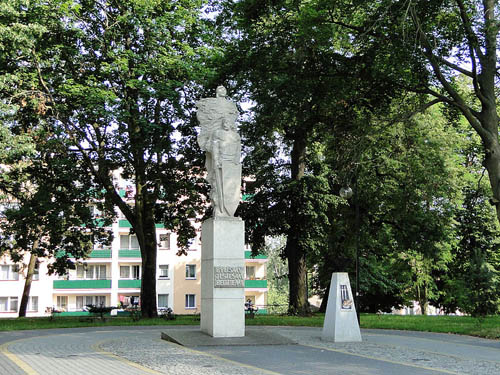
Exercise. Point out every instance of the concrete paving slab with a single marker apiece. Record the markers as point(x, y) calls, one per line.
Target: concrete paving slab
point(194, 337)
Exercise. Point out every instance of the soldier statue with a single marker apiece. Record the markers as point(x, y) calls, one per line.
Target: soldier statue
point(220, 140)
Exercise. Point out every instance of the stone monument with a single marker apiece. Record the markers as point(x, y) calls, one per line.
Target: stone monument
point(341, 322)
point(223, 235)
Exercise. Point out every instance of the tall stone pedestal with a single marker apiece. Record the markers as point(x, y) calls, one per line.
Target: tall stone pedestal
point(223, 277)
point(341, 322)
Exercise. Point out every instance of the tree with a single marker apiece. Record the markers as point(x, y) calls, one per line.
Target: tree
point(408, 182)
point(283, 60)
point(472, 282)
point(119, 79)
point(47, 211)
point(431, 44)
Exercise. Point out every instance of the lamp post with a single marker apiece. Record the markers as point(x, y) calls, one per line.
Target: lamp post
point(346, 193)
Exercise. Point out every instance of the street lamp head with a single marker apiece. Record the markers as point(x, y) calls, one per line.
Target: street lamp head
point(346, 192)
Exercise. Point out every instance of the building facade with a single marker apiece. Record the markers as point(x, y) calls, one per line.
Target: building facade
point(111, 277)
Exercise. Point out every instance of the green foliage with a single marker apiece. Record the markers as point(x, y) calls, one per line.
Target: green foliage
point(277, 275)
point(117, 81)
point(46, 206)
point(472, 284)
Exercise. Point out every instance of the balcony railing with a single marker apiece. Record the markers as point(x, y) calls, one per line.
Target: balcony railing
point(255, 283)
point(126, 253)
point(129, 283)
point(248, 255)
point(126, 224)
point(101, 253)
point(82, 284)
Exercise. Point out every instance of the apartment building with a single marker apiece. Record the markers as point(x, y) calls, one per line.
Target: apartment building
point(111, 276)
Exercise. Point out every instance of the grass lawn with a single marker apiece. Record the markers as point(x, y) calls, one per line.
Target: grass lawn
point(488, 327)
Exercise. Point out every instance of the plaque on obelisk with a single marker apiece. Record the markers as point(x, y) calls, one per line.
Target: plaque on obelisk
point(223, 235)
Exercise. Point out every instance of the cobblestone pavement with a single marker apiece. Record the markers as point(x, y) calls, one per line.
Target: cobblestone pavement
point(139, 350)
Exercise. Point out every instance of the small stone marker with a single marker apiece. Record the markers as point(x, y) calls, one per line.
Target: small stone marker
point(341, 322)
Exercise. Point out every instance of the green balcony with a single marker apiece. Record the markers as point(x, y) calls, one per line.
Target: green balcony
point(125, 253)
point(129, 283)
point(255, 283)
point(126, 224)
point(82, 284)
point(101, 253)
point(248, 255)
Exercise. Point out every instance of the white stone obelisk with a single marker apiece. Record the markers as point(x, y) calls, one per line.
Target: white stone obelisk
point(223, 235)
point(341, 322)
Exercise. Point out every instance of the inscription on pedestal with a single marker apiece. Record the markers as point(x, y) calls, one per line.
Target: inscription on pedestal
point(229, 277)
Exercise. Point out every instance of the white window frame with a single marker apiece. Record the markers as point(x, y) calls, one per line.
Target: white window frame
point(131, 268)
point(12, 273)
point(11, 304)
point(162, 242)
point(127, 272)
point(4, 304)
point(133, 272)
point(129, 245)
point(32, 303)
point(62, 302)
point(82, 301)
point(189, 275)
point(247, 276)
point(163, 267)
point(36, 272)
point(187, 300)
point(166, 297)
point(91, 272)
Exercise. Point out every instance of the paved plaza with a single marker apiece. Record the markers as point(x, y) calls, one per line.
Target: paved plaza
point(140, 350)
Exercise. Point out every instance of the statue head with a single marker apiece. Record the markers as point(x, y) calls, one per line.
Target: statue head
point(220, 92)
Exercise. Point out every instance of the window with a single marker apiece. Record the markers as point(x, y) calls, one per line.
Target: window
point(36, 273)
point(164, 242)
point(80, 271)
point(136, 272)
point(33, 303)
point(129, 241)
point(124, 272)
point(250, 272)
point(163, 271)
point(130, 272)
point(8, 304)
point(82, 301)
point(101, 244)
point(190, 301)
point(94, 271)
point(162, 300)
point(4, 304)
point(95, 211)
point(9, 272)
point(62, 302)
point(190, 271)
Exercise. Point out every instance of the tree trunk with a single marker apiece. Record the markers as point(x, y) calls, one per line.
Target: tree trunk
point(27, 283)
point(298, 288)
point(492, 165)
point(148, 275)
point(146, 234)
point(324, 301)
point(295, 254)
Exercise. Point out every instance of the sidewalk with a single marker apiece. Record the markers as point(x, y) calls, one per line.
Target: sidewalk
point(139, 350)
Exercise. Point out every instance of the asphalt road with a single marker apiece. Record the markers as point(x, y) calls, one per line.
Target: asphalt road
point(139, 350)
